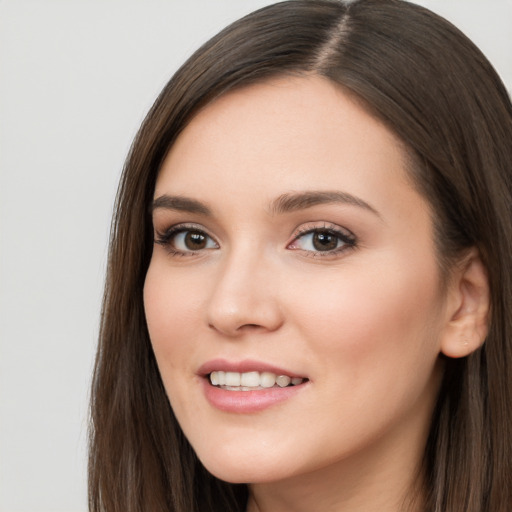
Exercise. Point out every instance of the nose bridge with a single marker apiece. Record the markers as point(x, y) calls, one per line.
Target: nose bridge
point(243, 294)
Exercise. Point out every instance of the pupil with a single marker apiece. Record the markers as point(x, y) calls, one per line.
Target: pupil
point(195, 241)
point(324, 241)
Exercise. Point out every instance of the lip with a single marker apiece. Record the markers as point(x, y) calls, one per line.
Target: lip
point(246, 402)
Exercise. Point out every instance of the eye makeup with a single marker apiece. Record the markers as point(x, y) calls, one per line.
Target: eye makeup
point(185, 240)
point(311, 239)
point(325, 240)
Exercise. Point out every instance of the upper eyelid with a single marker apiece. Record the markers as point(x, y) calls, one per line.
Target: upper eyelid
point(349, 239)
point(180, 227)
point(184, 226)
point(163, 222)
point(309, 227)
point(301, 230)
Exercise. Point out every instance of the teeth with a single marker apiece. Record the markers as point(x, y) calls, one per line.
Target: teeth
point(283, 380)
point(250, 379)
point(235, 381)
point(232, 379)
point(267, 379)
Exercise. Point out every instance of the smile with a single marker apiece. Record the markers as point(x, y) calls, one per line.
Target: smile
point(251, 381)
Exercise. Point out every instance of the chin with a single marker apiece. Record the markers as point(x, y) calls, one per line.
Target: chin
point(244, 471)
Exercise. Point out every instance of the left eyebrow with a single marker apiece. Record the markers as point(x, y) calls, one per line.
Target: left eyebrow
point(291, 202)
point(180, 203)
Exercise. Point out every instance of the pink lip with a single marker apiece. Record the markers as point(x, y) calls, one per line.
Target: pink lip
point(244, 402)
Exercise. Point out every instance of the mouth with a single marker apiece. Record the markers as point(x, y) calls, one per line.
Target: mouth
point(249, 386)
point(252, 381)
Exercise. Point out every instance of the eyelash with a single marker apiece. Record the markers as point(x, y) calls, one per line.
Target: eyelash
point(347, 239)
point(165, 239)
point(343, 235)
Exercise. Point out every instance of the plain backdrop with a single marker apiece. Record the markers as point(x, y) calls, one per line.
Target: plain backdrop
point(76, 79)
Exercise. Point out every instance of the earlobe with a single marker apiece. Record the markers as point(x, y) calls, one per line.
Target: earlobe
point(469, 304)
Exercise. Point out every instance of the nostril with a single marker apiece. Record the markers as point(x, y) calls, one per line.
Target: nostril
point(243, 327)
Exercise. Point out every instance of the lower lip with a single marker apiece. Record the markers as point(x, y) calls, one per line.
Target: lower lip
point(244, 402)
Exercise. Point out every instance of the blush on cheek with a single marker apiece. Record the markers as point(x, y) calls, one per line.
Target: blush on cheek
point(162, 305)
point(360, 316)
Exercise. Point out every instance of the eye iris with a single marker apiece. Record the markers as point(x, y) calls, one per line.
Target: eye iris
point(324, 241)
point(195, 241)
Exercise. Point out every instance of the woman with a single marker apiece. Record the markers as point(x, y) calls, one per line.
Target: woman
point(308, 291)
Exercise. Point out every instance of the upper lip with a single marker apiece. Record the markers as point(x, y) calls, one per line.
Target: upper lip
point(246, 365)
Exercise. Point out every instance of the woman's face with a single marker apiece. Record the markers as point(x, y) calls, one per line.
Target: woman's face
point(290, 243)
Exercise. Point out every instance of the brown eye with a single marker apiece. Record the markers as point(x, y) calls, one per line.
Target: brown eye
point(324, 241)
point(181, 240)
point(195, 241)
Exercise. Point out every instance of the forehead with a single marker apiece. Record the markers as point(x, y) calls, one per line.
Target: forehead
point(286, 134)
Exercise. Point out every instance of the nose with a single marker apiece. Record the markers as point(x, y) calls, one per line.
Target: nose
point(244, 297)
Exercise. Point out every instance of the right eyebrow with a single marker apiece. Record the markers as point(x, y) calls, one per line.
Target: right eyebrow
point(291, 202)
point(180, 203)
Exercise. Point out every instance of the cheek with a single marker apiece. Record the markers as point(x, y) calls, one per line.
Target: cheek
point(382, 318)
point(374, 339)
point(171, 310)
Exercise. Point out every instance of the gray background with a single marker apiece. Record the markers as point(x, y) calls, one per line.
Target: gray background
point(76, 78)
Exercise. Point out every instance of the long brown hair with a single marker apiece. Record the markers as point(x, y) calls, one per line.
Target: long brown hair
point(438, 93)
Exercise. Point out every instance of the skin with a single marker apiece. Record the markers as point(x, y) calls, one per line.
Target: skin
point(364, 323)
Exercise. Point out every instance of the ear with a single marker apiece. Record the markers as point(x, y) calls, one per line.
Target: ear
point(468, 307)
